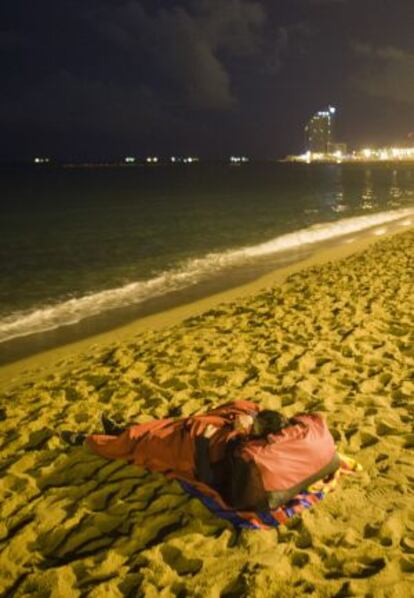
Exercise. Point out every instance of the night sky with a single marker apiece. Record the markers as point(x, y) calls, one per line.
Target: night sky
point(99, 79)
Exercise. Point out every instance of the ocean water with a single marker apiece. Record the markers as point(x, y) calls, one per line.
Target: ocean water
point(78, 245)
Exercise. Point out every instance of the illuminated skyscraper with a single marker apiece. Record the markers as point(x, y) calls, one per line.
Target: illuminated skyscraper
point(319, 131)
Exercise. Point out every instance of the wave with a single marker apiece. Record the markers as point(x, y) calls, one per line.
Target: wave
point(72, 311)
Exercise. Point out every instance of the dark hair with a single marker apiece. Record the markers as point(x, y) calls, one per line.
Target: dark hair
point(271, 422)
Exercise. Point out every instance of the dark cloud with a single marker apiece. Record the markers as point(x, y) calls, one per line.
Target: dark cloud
point(10, 40)
point(385, 72)
point(133, 70)
point(187, 47)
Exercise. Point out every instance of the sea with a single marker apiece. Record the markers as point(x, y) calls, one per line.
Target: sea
point(83, 250)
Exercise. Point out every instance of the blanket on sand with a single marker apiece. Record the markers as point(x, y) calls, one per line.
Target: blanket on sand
point(252, 520)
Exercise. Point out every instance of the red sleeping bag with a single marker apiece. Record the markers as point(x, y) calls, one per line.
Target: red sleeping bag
point(261, 474)
point(270, 471)
point(167, 445)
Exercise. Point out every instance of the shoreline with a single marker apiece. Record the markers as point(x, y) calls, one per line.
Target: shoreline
point(65, 321)
point(45, 360)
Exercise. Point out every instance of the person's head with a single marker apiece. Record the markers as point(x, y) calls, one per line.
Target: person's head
point(269, 422)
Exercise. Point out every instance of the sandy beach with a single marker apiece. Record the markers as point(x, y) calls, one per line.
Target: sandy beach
point(334, 337)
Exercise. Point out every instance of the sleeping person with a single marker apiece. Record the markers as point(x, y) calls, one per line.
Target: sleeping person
point(255, 459)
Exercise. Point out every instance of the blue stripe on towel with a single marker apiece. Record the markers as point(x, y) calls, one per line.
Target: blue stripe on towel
point(264, 517)
point(213, 506)
point(268, 519)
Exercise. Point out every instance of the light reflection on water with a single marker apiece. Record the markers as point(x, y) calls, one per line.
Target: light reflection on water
point(368, 196)
point(396, 192)
point(376, 189)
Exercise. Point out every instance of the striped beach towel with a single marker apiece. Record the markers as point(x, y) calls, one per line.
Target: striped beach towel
point(252, 520)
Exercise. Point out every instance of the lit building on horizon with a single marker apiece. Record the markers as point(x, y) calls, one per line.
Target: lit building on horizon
point(319, 131)
point(321, 145)
point(337, 153)
point(337, 148)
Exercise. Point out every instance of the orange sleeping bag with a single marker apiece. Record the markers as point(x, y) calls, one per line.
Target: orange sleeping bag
point(167, 445)
point(270, 471)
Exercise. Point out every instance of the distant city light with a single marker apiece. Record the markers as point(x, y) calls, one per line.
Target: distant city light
point(41, 160)
point(319, 133)
point(129, 159)
point(238, 159)
point(321, 145)
point(366, 154)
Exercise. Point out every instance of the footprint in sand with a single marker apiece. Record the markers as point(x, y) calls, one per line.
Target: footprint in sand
point(388, 532)
point(367, 568)
point(368, 439)
point(175, 558)
point(360, 439)
point(304, 539)
point(371, 530)
point(409, 441)
point(304, 587)
point(407, 544)
point(388, 428)
point(358, 569)
point(407, 565)
point(379, 493)
point(37, 440)
point(299, 559)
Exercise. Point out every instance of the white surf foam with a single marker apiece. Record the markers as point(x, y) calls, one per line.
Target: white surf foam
point(189, 273)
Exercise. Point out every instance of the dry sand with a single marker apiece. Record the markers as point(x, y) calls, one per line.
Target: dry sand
point(336, 338)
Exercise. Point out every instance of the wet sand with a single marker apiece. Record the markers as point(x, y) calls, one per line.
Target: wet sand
point(336, 337)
